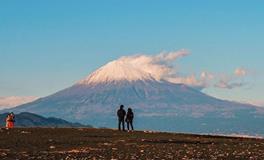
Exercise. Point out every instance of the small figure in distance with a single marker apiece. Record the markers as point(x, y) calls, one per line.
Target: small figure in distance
point(121, 113)
point(129, 119)
point(10, 120)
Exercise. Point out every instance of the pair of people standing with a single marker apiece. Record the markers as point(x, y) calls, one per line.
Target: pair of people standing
point(10, 120)
point(123, 116)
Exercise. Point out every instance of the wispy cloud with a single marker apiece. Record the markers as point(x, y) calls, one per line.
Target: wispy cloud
point(228, 85)
point(9, 102)
point(231, 81)
point(171, 56)
point(199, 82)
point(240, 72)
point(161, 67)
point(158, 66)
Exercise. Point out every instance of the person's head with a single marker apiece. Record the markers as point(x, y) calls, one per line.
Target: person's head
point(9, 114)
point(121, 106)
point(129, 110)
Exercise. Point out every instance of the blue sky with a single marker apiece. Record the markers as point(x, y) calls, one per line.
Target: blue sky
point(48, 45)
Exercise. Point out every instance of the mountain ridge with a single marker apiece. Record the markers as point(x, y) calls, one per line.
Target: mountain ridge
point(26, 119)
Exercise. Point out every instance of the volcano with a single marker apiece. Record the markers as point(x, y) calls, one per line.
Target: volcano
point(157, 104)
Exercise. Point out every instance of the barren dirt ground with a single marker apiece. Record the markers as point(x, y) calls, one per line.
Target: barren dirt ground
point(63, 143)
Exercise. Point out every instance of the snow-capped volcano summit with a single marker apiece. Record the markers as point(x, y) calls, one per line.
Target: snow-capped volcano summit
point(115, 71)
point(157, 104)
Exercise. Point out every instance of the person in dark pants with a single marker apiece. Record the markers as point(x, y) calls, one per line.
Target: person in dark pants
point(121, 113)
point(129, 119)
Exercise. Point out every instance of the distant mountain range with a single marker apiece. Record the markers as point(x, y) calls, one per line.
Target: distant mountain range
point(157, 104)
point(26, 119)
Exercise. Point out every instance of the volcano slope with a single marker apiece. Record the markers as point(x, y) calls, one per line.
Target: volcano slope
point(82, 143)
point(160, 104)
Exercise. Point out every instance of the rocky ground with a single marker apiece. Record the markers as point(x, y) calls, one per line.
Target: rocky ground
point(63, 143)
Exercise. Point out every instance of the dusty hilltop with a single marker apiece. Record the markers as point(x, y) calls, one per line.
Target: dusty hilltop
point(73, 143)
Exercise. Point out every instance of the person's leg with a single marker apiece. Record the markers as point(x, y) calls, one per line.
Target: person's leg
point(11, 124)
point(7, 124)
point(128, 126)
point(131, 123)
point(119, 124)
point(123, 124)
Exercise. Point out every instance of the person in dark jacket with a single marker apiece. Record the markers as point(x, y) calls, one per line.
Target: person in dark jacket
point(129, 119)
point(121, 113)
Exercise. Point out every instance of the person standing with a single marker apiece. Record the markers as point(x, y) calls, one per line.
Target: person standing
point(121, 113)
point(129, 119)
